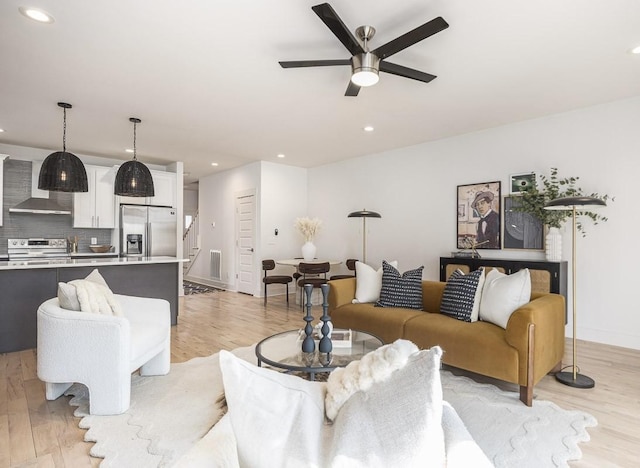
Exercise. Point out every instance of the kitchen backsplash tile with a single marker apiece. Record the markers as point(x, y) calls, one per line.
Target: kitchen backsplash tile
point(17, 188)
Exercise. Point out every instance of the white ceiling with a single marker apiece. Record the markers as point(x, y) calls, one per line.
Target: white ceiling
point(203, 75)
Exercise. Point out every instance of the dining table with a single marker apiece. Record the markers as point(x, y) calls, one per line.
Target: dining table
point(316, 296)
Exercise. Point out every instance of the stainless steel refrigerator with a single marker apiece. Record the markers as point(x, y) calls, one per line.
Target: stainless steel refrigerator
point(148, 231)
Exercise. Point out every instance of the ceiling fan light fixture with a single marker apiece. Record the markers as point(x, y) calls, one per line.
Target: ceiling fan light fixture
point(365, 69)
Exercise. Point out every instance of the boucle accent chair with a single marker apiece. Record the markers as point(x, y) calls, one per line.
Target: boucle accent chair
point(101, 351)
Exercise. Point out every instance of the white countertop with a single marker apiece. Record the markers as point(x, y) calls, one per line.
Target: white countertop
point(83, 262)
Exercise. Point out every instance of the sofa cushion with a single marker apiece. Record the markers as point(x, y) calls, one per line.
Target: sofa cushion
point(503, 294)
point(91, 294)
point(368, 282)
point(461, 296)
point(401, 290)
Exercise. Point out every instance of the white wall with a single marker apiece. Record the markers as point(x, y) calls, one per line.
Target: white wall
point(190, 202)
point(415, 191)
point(281, 196)
point(283, 199)
point(216, 199)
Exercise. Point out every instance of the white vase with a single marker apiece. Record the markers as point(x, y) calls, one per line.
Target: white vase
point(553, 245)
point(308, 251)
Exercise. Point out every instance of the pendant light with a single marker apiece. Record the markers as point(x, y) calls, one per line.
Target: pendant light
point(134, 178)
point(62, 171)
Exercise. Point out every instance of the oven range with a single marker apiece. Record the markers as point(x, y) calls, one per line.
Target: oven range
point(34, 249)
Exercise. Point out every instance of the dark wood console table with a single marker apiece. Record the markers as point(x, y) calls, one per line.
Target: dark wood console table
point(546, 277)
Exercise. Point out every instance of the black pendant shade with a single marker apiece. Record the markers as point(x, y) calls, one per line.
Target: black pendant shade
point(134, 178)
point(63, 171)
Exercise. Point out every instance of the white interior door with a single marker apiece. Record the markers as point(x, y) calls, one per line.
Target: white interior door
point(245, 242)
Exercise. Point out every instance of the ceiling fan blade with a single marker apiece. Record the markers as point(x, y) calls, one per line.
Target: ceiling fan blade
point(314, 63)
point(406, 72)
point(421, 32)
point(329, 17)
point(352, 90)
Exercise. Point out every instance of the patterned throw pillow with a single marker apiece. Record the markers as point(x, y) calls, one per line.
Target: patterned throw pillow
point(461, 296)
point(401, 290)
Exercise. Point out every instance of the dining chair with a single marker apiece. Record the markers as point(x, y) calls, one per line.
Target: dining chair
point(268, 265)
point(351, 266)
point(314, 274)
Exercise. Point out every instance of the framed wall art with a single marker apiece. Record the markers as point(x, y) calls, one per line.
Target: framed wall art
point(522, 182)
point(521, 230)
point(479, 219)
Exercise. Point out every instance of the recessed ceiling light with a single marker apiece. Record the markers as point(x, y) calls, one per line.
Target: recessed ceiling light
point(36, 14)
point(635, 50)
point(281, 155)
point(128, 150)
point(1, 130)
point(214, 164)
point(368, 128)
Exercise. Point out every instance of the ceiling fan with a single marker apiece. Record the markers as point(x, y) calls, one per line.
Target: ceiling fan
point(366, 64)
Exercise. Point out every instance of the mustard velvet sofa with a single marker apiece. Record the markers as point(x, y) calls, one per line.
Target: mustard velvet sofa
point(531, 346)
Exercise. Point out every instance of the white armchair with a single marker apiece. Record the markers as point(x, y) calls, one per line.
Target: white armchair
point(101, 351)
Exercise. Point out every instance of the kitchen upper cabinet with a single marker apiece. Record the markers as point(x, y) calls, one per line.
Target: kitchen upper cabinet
point(165, 188)
point(2, 158)
point(96, 208)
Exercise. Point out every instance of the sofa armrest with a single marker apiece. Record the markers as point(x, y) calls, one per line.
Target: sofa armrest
point(546, 312)
point(341, 292)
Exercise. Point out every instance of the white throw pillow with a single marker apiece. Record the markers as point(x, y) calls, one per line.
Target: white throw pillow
point(369, 282)
point(396, 422)
point(374, 367)
point(503, 294)
point(89, 295)
point(278, 419)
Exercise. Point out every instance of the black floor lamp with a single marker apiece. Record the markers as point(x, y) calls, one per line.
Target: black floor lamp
point(364, 214)
point(574, 378)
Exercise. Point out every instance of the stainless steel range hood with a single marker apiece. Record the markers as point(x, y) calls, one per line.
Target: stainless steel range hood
point(38, 204)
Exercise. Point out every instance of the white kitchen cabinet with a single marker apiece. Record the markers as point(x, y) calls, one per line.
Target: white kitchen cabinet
point(96, 208)
point(2, 158)
point(165, 188)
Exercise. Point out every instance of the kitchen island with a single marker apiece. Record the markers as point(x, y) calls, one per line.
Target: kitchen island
point(25, 284)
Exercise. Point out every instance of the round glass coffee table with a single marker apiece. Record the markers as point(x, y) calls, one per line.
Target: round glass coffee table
point(284, 351)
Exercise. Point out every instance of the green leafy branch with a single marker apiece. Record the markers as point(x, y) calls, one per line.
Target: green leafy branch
point(534, 199)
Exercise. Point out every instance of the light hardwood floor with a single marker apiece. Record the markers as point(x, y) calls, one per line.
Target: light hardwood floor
point(36, 432)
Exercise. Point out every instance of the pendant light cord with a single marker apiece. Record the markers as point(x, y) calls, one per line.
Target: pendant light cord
point(134, 141)
point(64, 129)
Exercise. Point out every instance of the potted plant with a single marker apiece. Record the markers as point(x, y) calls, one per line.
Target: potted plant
point(534, 198)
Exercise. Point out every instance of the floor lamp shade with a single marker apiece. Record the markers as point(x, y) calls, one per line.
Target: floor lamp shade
point(63, 171)
point(364, 214)
point(573, 377)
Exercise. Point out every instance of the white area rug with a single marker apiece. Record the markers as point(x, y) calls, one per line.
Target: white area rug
point(168, 414)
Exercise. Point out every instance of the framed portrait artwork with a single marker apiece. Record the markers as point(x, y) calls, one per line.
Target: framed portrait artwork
point(522, 182)
point(521, 230)
point(479, 216)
